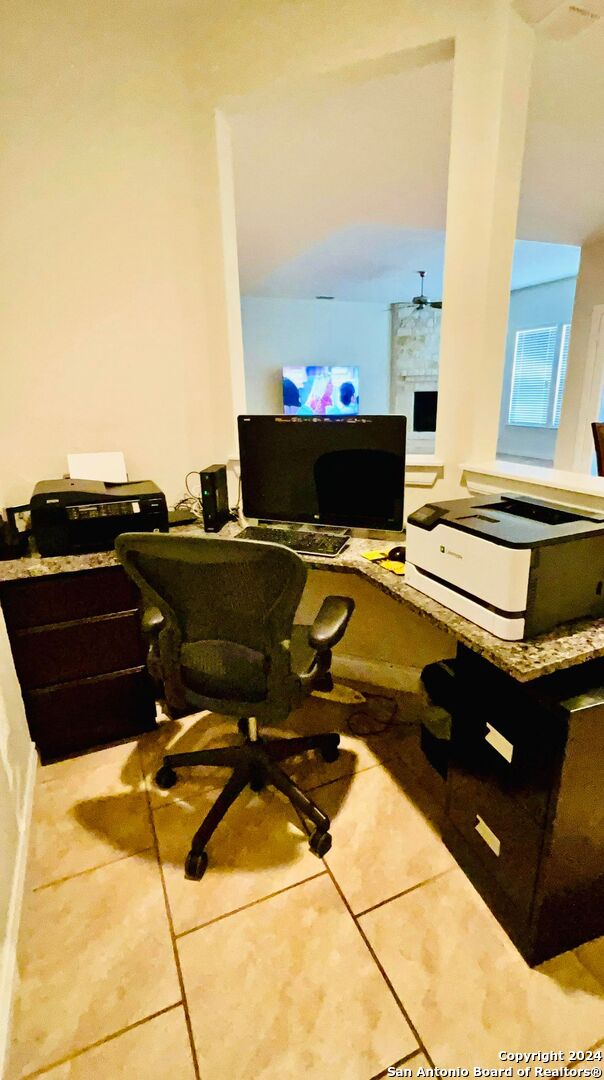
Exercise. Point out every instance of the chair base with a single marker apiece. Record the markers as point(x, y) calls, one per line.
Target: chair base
point(255, 763)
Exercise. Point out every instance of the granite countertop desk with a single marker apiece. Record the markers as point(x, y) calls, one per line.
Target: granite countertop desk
point(566, 646)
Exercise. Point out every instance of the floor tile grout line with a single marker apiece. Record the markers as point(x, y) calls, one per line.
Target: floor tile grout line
point(373, 954)
point(398, 1064)
point(91, 869)
point(246, 907)
point(101, 1042)
point(355, 772)
point(344, 776)
point(185, 1003)
point(404, 892)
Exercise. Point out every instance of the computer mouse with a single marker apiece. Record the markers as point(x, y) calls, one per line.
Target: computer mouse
point(397, 554)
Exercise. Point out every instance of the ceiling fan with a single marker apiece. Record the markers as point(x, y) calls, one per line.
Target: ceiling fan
point(422, 301)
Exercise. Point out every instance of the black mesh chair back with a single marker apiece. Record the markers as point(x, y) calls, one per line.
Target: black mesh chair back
point(228, 609)
point(240, 590)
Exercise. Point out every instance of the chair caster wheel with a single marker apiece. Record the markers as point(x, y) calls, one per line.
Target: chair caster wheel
point(196, 865)
point(166, 777)
point(320, 843)
point(244, 727)
point(330, 751)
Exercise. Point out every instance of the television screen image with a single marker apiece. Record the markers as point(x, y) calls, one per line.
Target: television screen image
point(320, 391)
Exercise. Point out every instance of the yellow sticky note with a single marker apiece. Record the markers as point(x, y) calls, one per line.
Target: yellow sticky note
point(374, 556)
point(396, 567)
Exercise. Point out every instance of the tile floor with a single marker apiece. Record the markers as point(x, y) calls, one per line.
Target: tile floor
point(276, 964)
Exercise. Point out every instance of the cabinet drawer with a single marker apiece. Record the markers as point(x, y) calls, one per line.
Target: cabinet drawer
point(78, 716)
point(504, 838)
point(519, 755)
point(65, 597)
point(58, 654)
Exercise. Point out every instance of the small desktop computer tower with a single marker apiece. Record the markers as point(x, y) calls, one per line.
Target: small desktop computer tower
point(214, 497)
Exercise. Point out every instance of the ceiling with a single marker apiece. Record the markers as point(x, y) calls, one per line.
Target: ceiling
point(343, 192)
point(379, 263)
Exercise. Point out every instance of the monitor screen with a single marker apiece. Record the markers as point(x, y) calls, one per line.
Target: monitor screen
point(320, 391)
point(347, 472)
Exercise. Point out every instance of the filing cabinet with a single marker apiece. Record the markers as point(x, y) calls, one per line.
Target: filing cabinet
point(80, 658)
point(525, 809)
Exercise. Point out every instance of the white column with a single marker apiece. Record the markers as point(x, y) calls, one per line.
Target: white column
point(585, 374)
point(216, 382)
point(491, 84)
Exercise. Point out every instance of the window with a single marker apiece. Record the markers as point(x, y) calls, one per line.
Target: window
point(561, 380)
point(538, 376)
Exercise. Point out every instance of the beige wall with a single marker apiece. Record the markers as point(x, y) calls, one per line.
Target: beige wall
point(16, 774)
point(113, 330)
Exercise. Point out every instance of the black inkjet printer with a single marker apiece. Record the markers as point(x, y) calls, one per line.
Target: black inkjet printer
point(70, 517)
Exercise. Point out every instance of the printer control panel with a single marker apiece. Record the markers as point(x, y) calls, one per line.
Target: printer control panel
point(102, 509)
point(427, 516)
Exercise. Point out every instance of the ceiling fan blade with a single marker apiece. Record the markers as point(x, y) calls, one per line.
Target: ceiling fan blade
point(436, 304)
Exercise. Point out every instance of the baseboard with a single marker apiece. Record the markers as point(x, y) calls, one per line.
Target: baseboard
point(8, 956)
point(376, 672)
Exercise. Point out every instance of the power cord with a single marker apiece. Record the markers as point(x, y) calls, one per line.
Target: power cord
point(366, 720)
point(234, 511)
point(190, 501)
point(192, 494)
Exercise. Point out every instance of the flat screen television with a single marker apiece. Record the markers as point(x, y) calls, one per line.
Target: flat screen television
point(320, 391)
point(348, 472)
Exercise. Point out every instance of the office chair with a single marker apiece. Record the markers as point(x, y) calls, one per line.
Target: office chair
point(598, 434)
point(219, 617)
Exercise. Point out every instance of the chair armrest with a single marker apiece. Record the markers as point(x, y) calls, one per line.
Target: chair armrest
point(152, 622)
point(331, 622)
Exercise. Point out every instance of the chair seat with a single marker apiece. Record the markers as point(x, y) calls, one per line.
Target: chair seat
point(223, 669)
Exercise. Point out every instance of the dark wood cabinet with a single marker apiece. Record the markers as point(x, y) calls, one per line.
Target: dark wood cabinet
point(525, 800)
point(80, 658)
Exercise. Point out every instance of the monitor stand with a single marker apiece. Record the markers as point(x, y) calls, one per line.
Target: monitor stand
point(391, 536)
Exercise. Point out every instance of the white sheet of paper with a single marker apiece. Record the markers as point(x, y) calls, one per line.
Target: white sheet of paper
point(108, 466)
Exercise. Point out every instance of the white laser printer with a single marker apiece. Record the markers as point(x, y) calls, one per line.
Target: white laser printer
point(513, 565)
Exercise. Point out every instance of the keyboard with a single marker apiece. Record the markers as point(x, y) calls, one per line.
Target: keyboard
point(305, 543)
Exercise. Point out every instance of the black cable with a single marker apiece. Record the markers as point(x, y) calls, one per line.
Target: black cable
point(193, 472)
point(234, 511)
point(373, 725)
point(191, 501)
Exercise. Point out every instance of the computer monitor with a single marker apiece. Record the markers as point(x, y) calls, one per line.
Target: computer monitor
point(324, 470)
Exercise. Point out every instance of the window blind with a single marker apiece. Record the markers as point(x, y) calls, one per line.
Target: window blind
point(532, 376)
point(561, 380)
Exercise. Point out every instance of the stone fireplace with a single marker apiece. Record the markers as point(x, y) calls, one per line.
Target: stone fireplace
point(415, 343)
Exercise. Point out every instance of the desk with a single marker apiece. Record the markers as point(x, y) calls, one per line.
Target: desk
point(564, 647)
point(524, 812)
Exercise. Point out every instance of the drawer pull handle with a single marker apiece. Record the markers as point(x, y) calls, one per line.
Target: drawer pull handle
point(499, 743)
point(488, 835)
